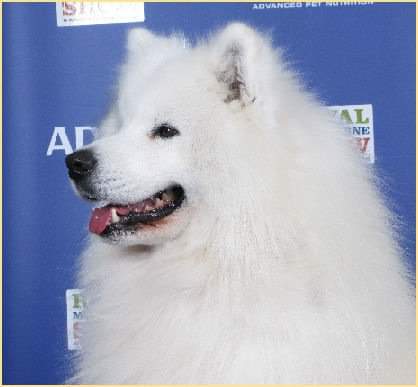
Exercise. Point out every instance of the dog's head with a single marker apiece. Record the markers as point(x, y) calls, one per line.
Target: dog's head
point(163, 154)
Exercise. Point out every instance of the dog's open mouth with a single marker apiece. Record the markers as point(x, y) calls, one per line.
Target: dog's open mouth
point(116, 218)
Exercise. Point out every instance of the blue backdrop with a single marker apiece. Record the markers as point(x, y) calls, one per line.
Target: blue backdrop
point(63, 77)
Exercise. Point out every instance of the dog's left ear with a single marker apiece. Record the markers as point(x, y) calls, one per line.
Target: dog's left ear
point(238, 50)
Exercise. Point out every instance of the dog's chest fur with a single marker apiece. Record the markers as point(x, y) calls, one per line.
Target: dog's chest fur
point(186, 321)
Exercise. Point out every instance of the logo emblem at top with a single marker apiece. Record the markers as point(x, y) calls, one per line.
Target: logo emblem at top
point(75, 13)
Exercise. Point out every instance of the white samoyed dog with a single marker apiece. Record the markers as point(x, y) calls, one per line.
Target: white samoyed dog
point(238, 235)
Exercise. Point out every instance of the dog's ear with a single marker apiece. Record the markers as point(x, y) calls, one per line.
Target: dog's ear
point(145, 52)
point(140, 39)
point(144, 45)
point(239, 51)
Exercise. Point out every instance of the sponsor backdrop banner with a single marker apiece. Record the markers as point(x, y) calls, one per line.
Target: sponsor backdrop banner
point(60, 62)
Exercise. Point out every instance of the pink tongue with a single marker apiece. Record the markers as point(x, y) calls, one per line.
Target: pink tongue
point(100, 219)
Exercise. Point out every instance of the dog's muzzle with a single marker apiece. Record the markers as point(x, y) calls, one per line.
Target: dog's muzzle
point(81, 166)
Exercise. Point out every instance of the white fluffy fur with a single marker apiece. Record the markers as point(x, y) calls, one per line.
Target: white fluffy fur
point(282, 266)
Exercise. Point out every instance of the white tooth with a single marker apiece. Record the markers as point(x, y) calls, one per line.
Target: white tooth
point(115, 217)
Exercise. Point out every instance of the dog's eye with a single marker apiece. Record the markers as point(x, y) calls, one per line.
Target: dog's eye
point(164, 131)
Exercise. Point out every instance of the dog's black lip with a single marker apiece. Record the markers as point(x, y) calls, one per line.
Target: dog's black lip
point(130, 222)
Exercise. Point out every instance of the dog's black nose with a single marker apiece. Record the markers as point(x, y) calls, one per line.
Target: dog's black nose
point(80, 164)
